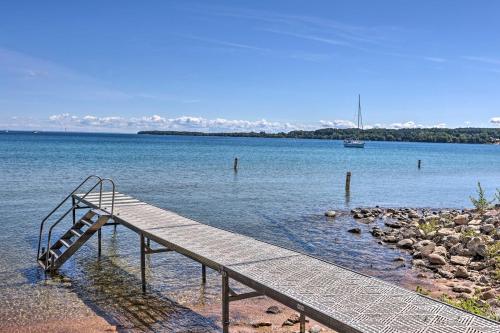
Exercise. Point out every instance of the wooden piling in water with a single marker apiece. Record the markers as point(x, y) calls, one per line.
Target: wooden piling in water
point(419, 163)
point(235, 165)
point(348, 181)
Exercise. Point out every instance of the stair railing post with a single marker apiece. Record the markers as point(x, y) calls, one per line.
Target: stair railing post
point(74, 209)
point(225, 302)
point(143, 264)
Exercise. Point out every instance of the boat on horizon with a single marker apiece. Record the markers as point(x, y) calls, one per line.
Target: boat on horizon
point(356, 142)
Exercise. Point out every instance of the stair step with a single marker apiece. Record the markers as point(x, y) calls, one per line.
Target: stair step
point(66, 242)
point(56, 253)
point(76, 233)
point(88, 223)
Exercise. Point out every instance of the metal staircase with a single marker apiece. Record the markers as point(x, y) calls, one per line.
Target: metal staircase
point(55, 254)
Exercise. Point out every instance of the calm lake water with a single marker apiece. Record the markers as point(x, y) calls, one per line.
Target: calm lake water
point(279, 195)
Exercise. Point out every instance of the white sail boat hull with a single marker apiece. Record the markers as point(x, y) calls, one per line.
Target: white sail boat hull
point(354, 144)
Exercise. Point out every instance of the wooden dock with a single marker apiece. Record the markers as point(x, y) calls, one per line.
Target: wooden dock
point(336, 297)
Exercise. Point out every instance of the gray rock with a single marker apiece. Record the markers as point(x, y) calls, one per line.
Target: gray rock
point(436, 259)
point(445, 232)
point(462, 289)
point(405, 243)
point(355, 230)
point(262, 324)
point(393, 224)
point(476, 246)
point(444, 273)
point(488, 294)
point(459, 260)
point(451, 240)
point(273, 309)
point(390, 239)
point(315, 329)
point(376, 232)
point(487, 228)
point(461, 272)
point(418, 263)
point(456, 249)
point(461, 219)
point(441, 250)
point(474, 222)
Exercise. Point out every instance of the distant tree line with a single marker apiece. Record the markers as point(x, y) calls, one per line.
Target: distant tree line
point(445, 135)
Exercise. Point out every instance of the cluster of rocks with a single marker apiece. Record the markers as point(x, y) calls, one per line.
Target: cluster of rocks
point(452, 244)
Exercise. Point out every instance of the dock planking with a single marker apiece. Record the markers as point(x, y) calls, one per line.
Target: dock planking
point(336, 297)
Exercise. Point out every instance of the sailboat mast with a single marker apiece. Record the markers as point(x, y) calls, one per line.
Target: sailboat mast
point(360, 121)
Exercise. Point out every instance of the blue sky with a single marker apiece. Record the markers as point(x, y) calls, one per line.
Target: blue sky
point(248, 65)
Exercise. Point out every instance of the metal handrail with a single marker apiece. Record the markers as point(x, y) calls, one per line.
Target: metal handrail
point(74, 206)
point(113, 186)
point(58, 206)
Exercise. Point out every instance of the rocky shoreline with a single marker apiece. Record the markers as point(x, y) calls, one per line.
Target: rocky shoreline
point(455, 249)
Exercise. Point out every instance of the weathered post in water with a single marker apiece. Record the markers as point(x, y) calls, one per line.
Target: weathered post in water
point(235, 165)
point(419, 163)
point(348, 181)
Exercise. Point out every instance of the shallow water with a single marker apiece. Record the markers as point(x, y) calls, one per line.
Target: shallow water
point(279, 195)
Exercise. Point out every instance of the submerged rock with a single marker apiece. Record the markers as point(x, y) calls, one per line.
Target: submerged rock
point(330, 213)
point(355, 230)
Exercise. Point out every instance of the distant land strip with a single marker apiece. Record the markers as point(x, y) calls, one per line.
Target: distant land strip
point(443, 135)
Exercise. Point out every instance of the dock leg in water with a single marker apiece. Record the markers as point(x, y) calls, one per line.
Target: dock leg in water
point(143, 264)
point(302, 323)
point(203, 274)
point(225, 302)
point(348, 182)
point(235, 165)
point(99, 241)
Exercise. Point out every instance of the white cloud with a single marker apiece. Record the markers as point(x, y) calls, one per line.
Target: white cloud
point(411, 124)
point(495, 120)
point(487, 60)
point(337, 124)
point(435, 59)
point(183, 123)
point(192, 123)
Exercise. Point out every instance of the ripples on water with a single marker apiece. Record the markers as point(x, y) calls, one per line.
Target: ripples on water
point(279, 195)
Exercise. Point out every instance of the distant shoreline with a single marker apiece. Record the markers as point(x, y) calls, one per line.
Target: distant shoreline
point(436, 135)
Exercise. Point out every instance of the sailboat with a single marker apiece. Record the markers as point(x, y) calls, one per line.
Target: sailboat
point(356, 143)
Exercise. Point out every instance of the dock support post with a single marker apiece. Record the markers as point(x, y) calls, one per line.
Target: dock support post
point(143, 264)
point(73, 210)
point(225, 302)
point(99, 241)
point(419, 163)
point(302, 323)
point(348, 181)
point(203, 274)
point(235, 165)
